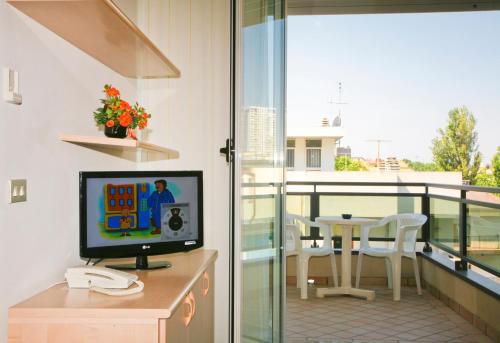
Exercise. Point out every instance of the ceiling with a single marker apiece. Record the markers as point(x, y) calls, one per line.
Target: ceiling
point(325, 7)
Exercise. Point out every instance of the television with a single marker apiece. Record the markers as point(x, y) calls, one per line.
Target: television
point(140, 213)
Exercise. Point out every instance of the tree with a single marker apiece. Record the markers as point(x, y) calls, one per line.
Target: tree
point(344, 163)
point(485, 180)
point(496, 166)
point(421, 166)
point(456, 147)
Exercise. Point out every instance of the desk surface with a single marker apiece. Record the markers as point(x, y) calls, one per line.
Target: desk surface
point(163, 291)
point(341, 221)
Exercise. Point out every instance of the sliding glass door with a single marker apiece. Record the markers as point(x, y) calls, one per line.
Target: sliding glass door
point(259, 126)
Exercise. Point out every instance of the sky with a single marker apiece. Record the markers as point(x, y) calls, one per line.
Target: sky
point(400, 74)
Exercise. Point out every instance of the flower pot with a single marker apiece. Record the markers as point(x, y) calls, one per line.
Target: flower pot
point(115, 131)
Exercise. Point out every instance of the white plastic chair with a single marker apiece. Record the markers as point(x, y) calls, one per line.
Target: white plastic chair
point(407, 228)
point(293, 245)
point(304, 254)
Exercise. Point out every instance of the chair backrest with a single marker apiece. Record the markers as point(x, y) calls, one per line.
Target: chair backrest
point(408, 225)
point(292, 239)
point(323, 228)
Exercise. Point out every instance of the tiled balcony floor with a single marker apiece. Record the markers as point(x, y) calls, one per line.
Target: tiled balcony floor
point(346, 319)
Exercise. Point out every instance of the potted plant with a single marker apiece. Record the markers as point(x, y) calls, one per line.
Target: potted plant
point(118, 117)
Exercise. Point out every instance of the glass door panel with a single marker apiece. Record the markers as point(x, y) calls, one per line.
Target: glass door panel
point(259, 151)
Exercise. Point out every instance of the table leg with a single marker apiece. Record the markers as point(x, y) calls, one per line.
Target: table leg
point(346, 288)
point(346, 255)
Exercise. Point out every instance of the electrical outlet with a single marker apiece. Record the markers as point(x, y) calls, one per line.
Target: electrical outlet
point(18, 190)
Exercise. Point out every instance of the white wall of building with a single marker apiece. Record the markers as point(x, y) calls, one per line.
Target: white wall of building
point(453, 178)
point(328, 154)
point(300, 154)
point(61, 87)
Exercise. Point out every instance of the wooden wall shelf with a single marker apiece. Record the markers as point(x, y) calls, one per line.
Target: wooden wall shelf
point(106, 144)
point(102, 30)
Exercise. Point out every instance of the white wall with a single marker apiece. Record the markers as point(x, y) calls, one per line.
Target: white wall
point(454, 178)
point(192, 114)
point(60, 87)
point(300, 154)
point(328, 154)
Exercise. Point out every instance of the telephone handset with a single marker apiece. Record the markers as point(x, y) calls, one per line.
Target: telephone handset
point(103, 280)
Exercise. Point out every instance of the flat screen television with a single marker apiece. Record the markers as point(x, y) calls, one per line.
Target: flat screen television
point(140, 213)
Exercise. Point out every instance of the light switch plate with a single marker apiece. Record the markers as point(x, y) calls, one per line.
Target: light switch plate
point(18, 190)
point(11, 87)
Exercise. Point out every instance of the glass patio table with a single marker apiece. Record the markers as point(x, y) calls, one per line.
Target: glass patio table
point(346, 285)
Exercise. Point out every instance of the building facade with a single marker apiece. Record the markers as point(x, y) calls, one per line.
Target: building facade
point(312, 148)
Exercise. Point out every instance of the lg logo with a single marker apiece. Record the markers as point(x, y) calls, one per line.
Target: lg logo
point(144, 247)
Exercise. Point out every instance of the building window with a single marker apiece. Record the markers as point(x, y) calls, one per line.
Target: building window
point(290, 153)
point(313, 153)
point(290, 158)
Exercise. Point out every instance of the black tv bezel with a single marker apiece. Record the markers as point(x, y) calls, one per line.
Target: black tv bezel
point(134, 250)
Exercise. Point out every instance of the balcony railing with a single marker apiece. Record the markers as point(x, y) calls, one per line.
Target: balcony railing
point(464, 221)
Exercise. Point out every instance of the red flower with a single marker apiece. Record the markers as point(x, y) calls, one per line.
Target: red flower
point(142, 125)
point(145, 115)
point(125, 119)
point(112, 91)
point(124, 105)
point(110, 123)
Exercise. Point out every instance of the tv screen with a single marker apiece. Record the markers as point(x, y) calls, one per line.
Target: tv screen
point(140, 213)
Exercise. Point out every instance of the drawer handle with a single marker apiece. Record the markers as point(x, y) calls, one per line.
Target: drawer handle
point(189, 308)
point(205, 283)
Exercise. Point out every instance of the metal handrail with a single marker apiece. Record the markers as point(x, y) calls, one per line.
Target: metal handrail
point(425, 196)
point(465, 188)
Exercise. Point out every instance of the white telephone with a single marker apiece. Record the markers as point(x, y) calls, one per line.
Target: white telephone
point(103, 280)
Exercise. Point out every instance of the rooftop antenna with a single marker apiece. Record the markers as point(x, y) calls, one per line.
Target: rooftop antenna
point(378, 141)
point(338, 102)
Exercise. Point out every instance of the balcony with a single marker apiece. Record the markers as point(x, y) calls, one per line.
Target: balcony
point(415, 319)
point(459, 260)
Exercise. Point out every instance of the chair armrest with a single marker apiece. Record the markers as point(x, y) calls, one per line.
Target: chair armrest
point(364, 233)
point(309, 223)
point(326, 232)
point(324, 228)
point(403, 230)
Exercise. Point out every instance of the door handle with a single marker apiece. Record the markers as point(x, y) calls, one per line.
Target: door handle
point(228, 150)
point(189, 308)
point(205, 287)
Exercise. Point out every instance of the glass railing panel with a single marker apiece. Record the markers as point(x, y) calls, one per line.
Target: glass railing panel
point(298, 204)
point(444, 222)
point(483, 235)
point(376, 207)
point(447, 192)
point(258, 222)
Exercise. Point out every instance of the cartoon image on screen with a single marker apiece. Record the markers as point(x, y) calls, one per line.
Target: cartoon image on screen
point(144, 211)
point(135, 210)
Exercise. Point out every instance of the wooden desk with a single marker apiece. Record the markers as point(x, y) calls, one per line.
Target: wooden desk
point(176, 306)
